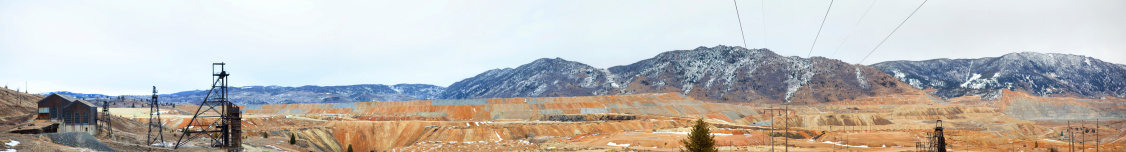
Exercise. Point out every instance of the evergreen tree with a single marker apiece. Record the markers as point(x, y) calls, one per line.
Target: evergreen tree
point(349, 147)
point(699, 140)
point(265, 135)
point(292, 139)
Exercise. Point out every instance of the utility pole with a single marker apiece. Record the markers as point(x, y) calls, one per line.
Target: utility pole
point(787, 121)
point(831, 130)
point(773, 114)
point(1070, 137)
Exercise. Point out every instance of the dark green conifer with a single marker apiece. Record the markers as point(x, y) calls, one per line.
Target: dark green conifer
point(699, 140)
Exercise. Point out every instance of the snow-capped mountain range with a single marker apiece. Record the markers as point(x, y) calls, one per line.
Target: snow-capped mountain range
point(1041, 74)
point(315, 94)
point(729, 74)
point(720, 73)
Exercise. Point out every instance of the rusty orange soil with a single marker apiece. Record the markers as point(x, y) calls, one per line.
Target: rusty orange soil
point(654, 122)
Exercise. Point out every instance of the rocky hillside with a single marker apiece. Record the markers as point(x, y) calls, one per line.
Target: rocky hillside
point(16, 106)
point(1039, 74)
point(541, 78)
point(720, 73)
point(315, 94)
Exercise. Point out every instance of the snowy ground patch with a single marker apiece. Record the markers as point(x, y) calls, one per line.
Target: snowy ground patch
point(12, 143)
point(164, 144)
point(686, 133)
point(839, 144)
point(615, 144)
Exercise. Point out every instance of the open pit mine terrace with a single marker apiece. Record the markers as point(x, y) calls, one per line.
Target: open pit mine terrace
point(643, 122)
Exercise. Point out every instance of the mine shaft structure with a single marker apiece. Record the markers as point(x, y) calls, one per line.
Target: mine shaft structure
point(936, 141)
point(216, 118)
point(105, 119)
point(155, 136)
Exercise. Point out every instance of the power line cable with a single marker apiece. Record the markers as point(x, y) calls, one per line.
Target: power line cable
point(819, 28)
point(892, 32)
point(737, 16)
point(762, 7)
point(853, 28)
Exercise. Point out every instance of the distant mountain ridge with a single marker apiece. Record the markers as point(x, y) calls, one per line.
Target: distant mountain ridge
point(720, 73)
point(541, 78)
point(728, 74)
point(315, 94)
point(76, 95)
point(303, 94)
point(1041, 74)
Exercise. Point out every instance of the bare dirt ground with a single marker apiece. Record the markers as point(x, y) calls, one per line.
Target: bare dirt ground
point(649, 122)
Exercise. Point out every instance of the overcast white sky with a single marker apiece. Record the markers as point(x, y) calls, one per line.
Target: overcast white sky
point(124, 47)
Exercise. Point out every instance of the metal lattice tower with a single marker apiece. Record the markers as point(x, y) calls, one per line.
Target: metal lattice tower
point(936, 141)
point(939, 142)
point(216, 118)
point(157, 135)
point(105, 118)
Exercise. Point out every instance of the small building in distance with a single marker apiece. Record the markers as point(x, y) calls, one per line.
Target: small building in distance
point(74, 115)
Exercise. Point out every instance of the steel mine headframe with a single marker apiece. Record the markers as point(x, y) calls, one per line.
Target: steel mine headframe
point(216, 118)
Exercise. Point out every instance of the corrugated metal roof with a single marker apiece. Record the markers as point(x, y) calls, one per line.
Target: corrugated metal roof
point(67, 97)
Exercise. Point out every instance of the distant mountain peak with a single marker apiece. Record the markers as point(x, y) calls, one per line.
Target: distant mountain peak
point(316, 94)
point(1043, 74)
point(723, 73)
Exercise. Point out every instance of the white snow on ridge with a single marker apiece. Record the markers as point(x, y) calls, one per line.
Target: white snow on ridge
point(972, 78)
point(975, 83)
point(898, 74)
point(860, 78)
point(799, 77)
point(913, 82)
point(13, 143)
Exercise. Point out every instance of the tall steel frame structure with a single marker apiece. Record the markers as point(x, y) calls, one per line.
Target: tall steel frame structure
point(216, 118)
point(154, 121)
point(105, 118)
point(936, 141)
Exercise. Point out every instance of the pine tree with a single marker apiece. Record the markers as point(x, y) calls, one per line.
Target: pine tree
point(349, 147)
point(292, 139)
point(699, 140)
point(265, 135)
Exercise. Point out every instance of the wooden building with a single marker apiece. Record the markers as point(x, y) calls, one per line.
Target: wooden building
point(74, 115)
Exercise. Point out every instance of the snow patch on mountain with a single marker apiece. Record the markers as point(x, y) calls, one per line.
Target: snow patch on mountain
point(860, 78)
point(1043, 74)
point(971, 80)
point(798, 78)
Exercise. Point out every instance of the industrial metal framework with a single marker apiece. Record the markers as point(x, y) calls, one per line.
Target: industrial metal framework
point(155, 136)
point(936, 141)
point(216, 118)
point(105, 118)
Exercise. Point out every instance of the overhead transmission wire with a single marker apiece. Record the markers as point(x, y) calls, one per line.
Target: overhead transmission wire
point(811, 46)
point(853, 30)
point(819, 28)
point(892, 32)
point(737, 16)
point(762, 7)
